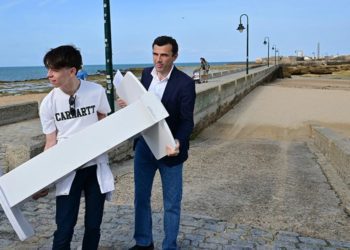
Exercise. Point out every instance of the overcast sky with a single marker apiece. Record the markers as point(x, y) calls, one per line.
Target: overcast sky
point(203, 28)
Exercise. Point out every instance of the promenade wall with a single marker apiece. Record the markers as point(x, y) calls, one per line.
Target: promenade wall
point(18, 112)
point(336, 148)
point(213, 100)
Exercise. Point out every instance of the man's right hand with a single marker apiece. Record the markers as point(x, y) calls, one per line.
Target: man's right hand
point(121, 103)
point(41, 193)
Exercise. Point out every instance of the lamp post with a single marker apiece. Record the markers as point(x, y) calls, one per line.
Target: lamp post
point(108, 52)
point(240, 29)
point(268, 49)
point(275, 49)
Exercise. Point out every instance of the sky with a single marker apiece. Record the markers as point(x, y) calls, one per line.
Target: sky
point(202, 28)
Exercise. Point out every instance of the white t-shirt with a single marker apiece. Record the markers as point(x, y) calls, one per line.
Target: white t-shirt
point(55, 109)
point(90, 98)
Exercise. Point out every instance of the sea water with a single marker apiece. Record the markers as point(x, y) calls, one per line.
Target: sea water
point(39, 72)
point(14, 80)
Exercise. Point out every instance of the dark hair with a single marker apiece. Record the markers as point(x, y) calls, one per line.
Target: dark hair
point(63, 56)
point(164, 40)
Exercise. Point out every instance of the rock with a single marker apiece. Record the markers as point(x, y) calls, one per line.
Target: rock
point(320, 70)
point(313, 68)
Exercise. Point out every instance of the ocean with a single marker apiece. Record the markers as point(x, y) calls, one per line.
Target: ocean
point(10, 74)
point(15, 80)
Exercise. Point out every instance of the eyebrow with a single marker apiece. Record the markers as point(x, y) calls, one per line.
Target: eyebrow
point(162, 54)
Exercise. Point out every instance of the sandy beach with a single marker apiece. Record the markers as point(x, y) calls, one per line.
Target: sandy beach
point(14, 99)
point(285, 108)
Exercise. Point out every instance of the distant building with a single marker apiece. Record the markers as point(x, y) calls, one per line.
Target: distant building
point(259, 60)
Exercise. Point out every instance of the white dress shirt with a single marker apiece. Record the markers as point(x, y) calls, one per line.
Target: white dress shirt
point(158, 86)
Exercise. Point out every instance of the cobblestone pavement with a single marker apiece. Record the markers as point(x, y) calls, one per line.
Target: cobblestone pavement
point(196, 232)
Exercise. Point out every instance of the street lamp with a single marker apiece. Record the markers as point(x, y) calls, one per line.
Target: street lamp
point(240, 29)
point(275, 49)
point(268, 49)
point(108, 52)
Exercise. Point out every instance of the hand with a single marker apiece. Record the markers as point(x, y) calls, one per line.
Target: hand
point(173, 151)
point(41, 193)
point(121, 103)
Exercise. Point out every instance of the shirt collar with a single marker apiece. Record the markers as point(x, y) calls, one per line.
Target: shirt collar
point(155, 75)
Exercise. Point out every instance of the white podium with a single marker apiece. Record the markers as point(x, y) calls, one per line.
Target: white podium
point(142, 114)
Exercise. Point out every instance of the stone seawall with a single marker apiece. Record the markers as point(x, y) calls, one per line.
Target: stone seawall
point(336, 149)
point(18, 112)
point(213, 100)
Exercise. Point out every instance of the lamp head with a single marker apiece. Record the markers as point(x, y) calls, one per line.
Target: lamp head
point(240, 27)
point(265, 42)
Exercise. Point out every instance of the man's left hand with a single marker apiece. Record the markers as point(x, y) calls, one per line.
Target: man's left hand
point(173, 151)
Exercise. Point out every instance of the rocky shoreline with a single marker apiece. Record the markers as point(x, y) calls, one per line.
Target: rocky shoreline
point(37, 86)
point(330, 69)
point(317, 68)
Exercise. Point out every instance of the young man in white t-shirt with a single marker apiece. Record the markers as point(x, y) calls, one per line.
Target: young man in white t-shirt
point(71, 106)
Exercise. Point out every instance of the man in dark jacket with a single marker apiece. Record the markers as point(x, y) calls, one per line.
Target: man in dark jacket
point(176, 90)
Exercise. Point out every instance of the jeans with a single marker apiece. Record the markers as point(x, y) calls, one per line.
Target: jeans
point(67, 209)
point(145, 167)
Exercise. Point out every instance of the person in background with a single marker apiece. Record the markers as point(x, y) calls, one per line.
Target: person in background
point(205, 69)
point(71, 106)
point(176, 90)
point(82, 74)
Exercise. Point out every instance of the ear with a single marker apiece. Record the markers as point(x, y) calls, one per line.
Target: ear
point(175, 57)
point(73, 71)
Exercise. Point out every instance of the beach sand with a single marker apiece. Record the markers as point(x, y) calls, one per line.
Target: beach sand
point(15, 99)
point(285, 108)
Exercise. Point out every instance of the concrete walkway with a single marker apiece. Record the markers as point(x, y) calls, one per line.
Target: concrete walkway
point(254, 180)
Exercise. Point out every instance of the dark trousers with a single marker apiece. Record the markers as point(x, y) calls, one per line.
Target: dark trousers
point(67, 209)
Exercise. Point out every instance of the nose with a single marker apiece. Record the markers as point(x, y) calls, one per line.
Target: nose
point(158, 58)
point(49, 73)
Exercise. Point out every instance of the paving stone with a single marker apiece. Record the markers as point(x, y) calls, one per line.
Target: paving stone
point(286, 233)
point(210, 246)
point(308, 246)
point(261, 233)
point(287, 238)
point(343, 244)
point(217, 240)
point(195, 237)
point(309, 240)
point(330, 248)
point(284, 245)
